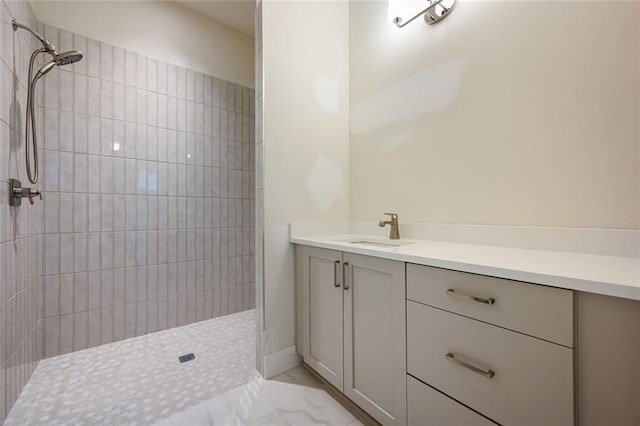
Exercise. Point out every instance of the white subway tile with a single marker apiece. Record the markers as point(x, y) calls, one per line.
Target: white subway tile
point(162, 77)
point(80, 331)
point(93, 251)
point(94, 94)
point(66, 253)
point(141, 106)
point(107, 213)
point(80, 252)
point(80, 43)
point(93, 135)
point(181, 83)
point(119, 102)
point(130, 104)
point(106, 250)
point(93, 173)
point(118, 65)
point(141, 71)
point(80, 212)
point(107, 99)
point(93, 58)
point(66, 212)
point(66, 294)
point(130, 68)
point(152, 75)
point(152, 109)
point(80, 133)
point(81, 93)
point(106, 64)
point(106, 175)
point(66, 90)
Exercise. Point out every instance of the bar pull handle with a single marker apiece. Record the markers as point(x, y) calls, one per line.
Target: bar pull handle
point(345, 270)
point(336, 275)
point(489, 373)
point(489, 301)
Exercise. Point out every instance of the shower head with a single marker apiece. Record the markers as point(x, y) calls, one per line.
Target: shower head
point(42, 71)
point(67, 58)
point(64, 58)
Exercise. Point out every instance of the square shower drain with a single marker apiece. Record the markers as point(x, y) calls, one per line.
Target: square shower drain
point(186, 358)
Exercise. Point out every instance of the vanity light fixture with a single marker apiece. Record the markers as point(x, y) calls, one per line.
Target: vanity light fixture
point(401, 12)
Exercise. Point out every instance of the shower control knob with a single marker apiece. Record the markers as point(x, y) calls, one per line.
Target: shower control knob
point(31, 194)
point(17, 193)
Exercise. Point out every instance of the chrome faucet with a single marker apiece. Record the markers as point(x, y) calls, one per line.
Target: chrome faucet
point(394, 232)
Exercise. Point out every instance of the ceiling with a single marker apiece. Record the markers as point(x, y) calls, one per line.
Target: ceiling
point(236, 14)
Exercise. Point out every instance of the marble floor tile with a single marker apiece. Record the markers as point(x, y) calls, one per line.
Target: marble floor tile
point(298, 376)
point(297, 400)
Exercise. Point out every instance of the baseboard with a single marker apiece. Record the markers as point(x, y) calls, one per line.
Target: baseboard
point(280, 361)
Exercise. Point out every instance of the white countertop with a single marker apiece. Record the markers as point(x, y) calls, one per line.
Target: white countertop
point(607, 275)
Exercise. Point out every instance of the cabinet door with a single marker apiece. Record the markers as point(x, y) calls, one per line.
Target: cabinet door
point(320, 304)
point(375, 336)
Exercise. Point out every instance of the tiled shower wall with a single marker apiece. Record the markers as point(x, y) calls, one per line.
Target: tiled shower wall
point(20, 227)
point(149, 202)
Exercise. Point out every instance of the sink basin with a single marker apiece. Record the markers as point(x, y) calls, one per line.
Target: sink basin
point(379, 243)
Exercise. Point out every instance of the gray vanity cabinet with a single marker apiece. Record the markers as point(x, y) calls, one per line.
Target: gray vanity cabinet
point(351, 327)
point(320, 319)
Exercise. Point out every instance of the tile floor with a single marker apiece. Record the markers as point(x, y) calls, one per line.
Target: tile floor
point(293, 398)
point(139, 381)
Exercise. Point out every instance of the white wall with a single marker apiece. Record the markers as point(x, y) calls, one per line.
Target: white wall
point(160, 29)
point(306, 139)
point(507, 113)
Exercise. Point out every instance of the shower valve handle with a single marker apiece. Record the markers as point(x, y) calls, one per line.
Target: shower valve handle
point(31, 194)
point(18, 192)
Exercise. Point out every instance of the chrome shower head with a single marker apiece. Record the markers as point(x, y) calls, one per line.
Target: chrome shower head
point(64, 58)
point(67, 58)
point(42, 71)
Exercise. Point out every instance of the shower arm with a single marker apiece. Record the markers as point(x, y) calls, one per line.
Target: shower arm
point(47, 46)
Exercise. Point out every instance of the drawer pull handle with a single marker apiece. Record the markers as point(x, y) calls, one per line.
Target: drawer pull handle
point(345, 275)
point(489, 301)
point(336, 275)
point(488, 373)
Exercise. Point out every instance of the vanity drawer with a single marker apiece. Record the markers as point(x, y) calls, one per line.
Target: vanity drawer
point(532, 380)
point(426, 406)
point(536, 310)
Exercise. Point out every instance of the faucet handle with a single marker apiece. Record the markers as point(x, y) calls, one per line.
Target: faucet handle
point(31, 193)
point(393, 215)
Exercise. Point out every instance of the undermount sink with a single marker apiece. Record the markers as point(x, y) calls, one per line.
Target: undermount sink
point(379, 243)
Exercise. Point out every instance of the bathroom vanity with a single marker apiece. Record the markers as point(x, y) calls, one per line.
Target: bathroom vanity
point(421, 340)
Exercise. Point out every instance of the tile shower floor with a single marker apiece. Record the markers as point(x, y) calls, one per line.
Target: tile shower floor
point(139, 381)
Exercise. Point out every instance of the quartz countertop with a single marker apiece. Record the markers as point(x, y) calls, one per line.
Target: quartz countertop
point(606, 275)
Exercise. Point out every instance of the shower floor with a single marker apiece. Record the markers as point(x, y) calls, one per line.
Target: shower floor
point(139, 380)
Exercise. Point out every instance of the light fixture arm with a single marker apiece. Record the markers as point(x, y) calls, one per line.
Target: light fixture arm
point(430, 15)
